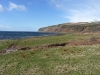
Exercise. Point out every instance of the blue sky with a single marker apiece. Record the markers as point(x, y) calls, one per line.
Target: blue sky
point(30, 15)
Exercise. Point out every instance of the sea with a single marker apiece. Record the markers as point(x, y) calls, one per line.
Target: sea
point(23, 34)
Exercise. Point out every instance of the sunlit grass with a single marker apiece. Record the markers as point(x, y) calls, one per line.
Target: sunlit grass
point(56, 61)
point(67, 60)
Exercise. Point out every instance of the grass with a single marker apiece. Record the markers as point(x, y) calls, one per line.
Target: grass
point(67, 60)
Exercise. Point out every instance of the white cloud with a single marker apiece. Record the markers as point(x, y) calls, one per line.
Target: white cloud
point(5, 27)
point(1, 8)
point(89, 12)
point(1, 26)
point(78, 11)
point(57, 3)
point(15, 28)
point(15, 6)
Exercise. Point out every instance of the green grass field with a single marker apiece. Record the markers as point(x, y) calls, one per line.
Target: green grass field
point(72, 59)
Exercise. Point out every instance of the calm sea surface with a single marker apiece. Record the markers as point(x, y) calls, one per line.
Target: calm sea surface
point(22, 34)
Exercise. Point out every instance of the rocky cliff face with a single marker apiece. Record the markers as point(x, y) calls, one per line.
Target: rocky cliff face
point(73, 27)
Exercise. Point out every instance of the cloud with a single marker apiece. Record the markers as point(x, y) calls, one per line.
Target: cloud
point(15, 28)
point(57, 3)
point(1, 8)
point(79, 11)
point(89, 12)
point(15, 6)
point(5, 27)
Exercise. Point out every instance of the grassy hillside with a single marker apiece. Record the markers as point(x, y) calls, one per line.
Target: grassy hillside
point(48, 56)
point(82, 27)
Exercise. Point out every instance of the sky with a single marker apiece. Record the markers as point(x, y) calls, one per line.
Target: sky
point(30, 15)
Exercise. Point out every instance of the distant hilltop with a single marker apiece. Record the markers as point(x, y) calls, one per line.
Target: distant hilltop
point(73, 27)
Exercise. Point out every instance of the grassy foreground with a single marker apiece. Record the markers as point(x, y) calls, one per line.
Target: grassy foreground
point(72, 59)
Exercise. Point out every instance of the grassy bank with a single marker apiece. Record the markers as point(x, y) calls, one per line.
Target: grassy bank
point(71, 59)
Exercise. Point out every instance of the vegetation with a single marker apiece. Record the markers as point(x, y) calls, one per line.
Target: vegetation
point(73, 27)
point(47, 55)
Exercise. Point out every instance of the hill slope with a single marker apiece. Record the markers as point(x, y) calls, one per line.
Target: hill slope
point(73, 27)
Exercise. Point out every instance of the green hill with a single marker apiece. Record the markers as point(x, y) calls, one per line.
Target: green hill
point(73, 27)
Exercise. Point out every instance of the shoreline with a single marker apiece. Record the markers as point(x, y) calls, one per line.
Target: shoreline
point(20, 35)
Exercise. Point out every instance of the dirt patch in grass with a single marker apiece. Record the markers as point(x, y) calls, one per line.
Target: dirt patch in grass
point(80, 42)
point(84, 42)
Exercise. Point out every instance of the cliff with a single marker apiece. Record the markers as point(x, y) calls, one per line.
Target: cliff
point(73, 27)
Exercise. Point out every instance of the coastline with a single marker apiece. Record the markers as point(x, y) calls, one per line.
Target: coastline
point(19, 35)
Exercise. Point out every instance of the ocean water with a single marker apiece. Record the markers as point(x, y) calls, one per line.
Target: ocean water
point(22, 34)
